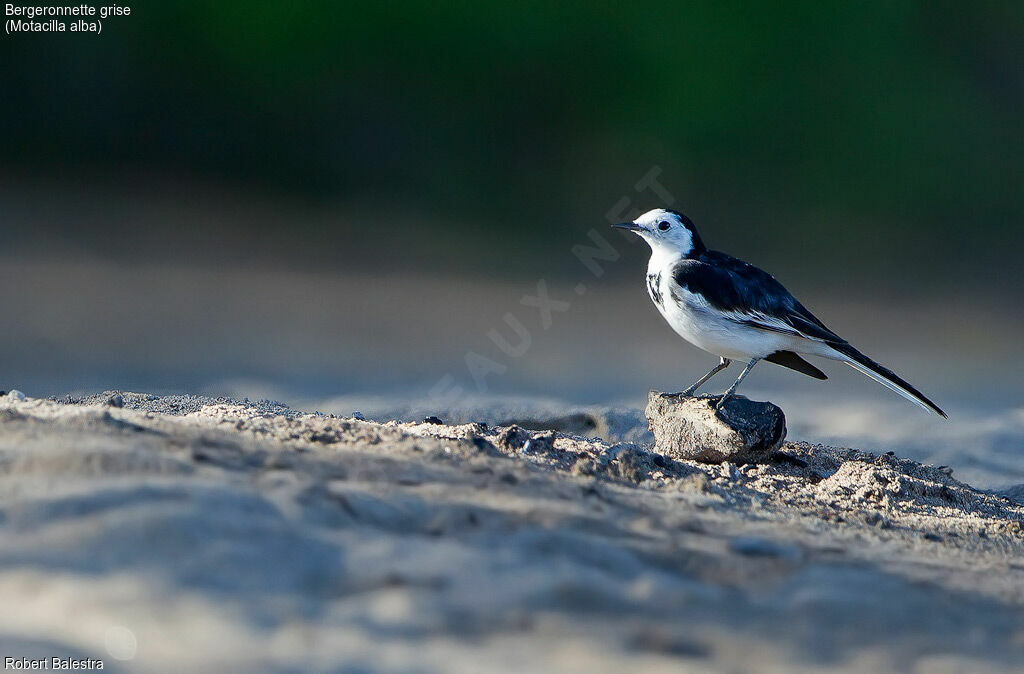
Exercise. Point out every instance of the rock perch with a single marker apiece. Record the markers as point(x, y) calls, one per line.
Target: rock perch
point(685, 427)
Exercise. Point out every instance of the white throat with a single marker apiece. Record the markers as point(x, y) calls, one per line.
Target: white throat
point(662, 257)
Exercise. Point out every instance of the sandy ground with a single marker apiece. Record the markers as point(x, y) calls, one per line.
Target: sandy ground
point(331, 339)
point(195, 534)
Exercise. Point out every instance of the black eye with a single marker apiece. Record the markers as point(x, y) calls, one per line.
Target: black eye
point(663, 225)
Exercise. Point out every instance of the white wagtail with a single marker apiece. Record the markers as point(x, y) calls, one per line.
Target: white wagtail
point(736, 311)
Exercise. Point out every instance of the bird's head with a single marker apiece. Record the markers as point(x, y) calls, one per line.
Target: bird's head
point(667, 231)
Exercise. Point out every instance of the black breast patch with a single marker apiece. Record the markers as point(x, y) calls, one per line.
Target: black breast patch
point(654, 287)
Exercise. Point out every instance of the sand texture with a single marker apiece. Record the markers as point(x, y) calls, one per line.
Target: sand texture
point(184, 534)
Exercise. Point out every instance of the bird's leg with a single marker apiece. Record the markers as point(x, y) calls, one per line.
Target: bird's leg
point(722, 364)
point(735, 385)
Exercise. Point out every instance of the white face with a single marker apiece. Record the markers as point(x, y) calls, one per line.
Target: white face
point(664, 231)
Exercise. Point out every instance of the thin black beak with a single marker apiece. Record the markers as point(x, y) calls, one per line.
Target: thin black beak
point(631, 226)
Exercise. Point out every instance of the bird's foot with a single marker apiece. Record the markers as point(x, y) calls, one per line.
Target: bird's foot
point(720, 405)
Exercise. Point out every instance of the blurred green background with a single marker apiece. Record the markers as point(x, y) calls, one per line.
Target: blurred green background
point(887, 134)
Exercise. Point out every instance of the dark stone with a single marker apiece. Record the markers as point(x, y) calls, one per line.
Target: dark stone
point(782, 457)
point(433, 420)
point(689, 428)
point(539, 443)
point(576, 424)
point(751, 546)
point(512, 438)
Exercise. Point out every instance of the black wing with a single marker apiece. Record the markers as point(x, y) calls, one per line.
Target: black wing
point(753, 296)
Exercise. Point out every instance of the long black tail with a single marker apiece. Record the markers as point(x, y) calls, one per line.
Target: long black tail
point(885, 377)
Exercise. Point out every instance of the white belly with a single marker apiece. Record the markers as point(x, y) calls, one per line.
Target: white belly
point(702, 326)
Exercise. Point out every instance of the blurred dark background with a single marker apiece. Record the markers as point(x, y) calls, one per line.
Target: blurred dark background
point(324, 133)
point(330, 197)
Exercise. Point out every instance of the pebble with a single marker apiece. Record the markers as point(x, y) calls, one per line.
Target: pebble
point(687, 428)
point(751, 546)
